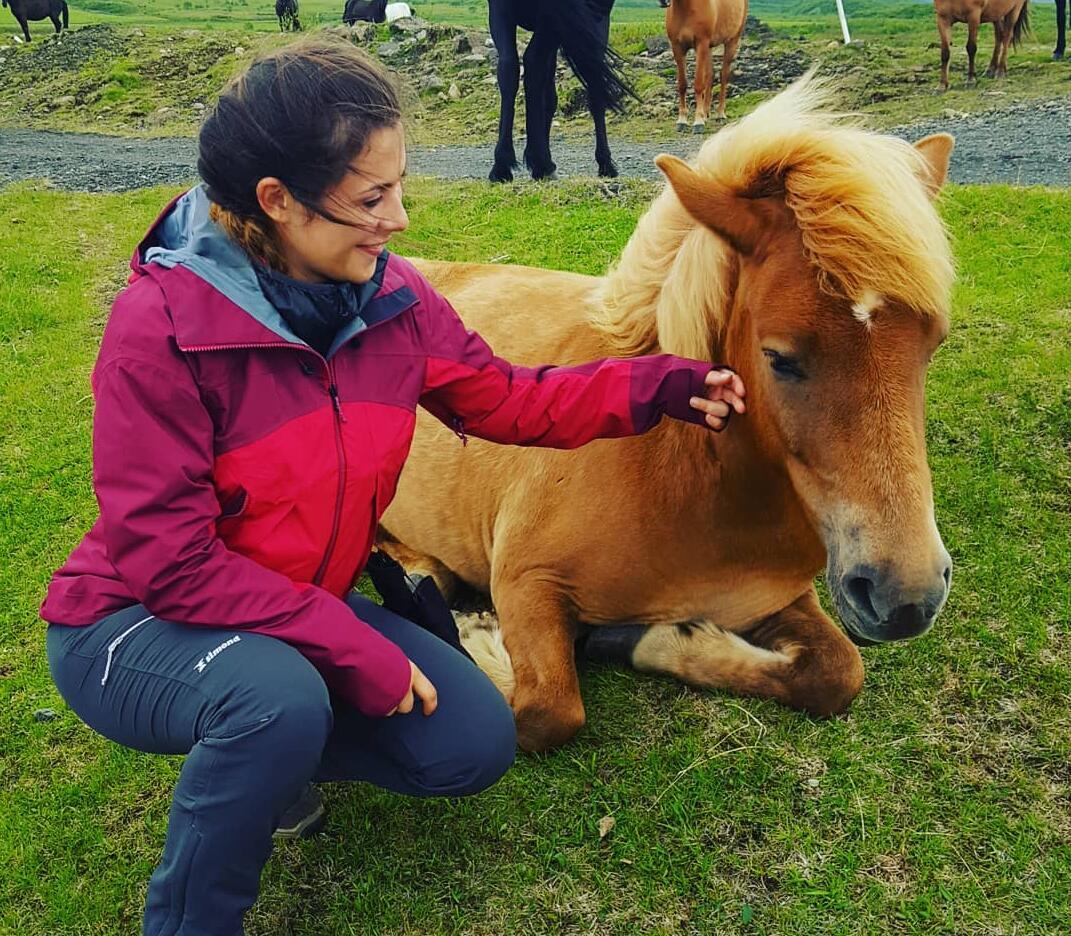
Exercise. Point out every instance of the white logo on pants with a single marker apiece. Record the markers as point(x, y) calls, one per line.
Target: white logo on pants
point(212, 654)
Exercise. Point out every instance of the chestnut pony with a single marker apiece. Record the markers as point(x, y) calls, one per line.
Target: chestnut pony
point(808, 254)
point(701, 25)
point(1010, 19)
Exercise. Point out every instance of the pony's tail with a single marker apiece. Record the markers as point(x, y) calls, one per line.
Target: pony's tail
point(598, 67)
point(1022, 25)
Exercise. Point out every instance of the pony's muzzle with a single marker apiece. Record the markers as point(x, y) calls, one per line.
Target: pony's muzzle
point(887, 608)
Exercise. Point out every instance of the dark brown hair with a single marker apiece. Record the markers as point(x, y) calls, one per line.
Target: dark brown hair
point(302, 114)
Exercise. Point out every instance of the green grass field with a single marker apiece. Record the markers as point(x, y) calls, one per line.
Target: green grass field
point(940, 804)
point(147, 72)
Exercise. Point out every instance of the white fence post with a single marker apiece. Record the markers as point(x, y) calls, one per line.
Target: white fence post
point(843, 21)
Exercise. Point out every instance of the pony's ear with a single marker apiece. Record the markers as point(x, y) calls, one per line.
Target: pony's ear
point(936, 150)
point(739, 220)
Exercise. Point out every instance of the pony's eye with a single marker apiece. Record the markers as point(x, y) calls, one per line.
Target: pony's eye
point(783, 366)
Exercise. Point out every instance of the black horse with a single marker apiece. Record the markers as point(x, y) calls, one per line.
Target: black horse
point(23, 10)
point(581, 29)
point(368, 11)
point(1062, 19)
point(287, 11)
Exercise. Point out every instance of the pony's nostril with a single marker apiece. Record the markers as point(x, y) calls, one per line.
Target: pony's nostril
point(947, 575)
point(860, 590)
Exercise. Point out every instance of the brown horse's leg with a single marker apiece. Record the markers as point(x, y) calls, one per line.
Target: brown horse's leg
point(727, 56)
point(798, 656)
point(538, 633)
point(944, 29)
point(972, 45)
point(680, 57)
point(993, 71)
point(704, 80)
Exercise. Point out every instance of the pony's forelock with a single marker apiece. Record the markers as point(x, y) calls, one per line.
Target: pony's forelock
point(864, 214)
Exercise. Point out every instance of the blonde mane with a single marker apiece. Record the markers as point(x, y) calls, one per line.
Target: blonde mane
point(866, 219)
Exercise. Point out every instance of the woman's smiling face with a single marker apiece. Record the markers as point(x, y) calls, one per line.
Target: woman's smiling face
point(366, 207)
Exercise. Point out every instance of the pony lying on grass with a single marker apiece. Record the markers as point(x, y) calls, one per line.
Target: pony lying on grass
point(807, 254)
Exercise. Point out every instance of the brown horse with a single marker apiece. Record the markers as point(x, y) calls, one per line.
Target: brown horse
point(808, 255)
point(24, 10)
point(1010, 19)
point(701, 25)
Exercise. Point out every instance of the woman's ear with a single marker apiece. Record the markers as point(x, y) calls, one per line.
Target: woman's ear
point(275, 200)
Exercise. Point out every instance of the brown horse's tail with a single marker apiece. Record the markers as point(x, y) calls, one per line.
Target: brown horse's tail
point(598, 67)
point(1022, 25)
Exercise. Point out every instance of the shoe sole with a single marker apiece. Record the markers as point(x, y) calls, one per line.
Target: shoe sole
point(308, 827)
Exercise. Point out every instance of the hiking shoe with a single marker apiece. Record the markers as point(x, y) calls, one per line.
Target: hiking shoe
point(304, 818)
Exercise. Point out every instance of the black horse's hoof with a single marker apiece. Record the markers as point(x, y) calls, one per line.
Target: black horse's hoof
point(608, 170)
point(1058, 55)
point(499, 174)
point(551, 176)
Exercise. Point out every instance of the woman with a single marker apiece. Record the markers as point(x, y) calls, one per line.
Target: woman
point(255, 397)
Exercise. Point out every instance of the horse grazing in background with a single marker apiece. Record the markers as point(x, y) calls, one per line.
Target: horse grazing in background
point(581, 29)
point(364, 11)
point(701, 25)
point(25, 10)
point(1062, 19)
point(1010, 19)
point(807, 254)
point(287, 11)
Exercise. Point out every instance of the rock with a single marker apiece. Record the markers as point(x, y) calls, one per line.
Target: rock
point(197, 106)
point(388, 49)
point(409, 24)
point(421, 36)
point(45, 715)
point(137, 32)
point(454, 92)
point(65, 101)
point(476, 58)
point(432, 83)
point(462, 45)
point(489, 42)
point(656, 45)
point(239, 50)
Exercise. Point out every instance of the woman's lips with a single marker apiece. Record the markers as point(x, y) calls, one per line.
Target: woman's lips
point(373, 250)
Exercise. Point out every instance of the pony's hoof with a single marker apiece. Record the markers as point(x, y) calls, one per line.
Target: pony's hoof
point(498, 174)
point(608, 170)
point(1058, 55)
point(699, 128)
point(991, 73)
point(551, 176)
point(941, 89)
point(682, 126)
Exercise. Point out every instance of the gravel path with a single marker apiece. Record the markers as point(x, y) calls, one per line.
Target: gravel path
point(1027, 144)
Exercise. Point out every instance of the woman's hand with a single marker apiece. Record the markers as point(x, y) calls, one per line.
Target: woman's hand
point(420, 687)
point(725, 394)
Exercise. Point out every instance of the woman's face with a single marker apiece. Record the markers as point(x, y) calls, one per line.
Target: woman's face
point(369, 203)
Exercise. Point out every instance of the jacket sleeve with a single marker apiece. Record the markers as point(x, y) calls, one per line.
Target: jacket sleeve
point(474, 392)
point(152, 472)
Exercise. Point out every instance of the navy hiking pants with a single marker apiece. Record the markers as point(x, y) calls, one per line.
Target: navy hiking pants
point(257, 723)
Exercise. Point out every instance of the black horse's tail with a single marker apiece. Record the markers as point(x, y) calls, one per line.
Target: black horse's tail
point(1022, 25)
point(596, 65)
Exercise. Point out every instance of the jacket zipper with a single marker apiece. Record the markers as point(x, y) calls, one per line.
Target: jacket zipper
point(340, 418)
point(115, 643)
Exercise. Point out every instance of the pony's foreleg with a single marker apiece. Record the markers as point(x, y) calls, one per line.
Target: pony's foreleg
point(680, 57)
point(999, 28)
point(1061, 29)
point(944, 30)
point(704, 82)
point(797, 657)
point(539, 634)
point(972, 45)
point(727, 56)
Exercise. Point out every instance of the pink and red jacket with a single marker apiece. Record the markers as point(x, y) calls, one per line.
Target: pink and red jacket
point(240, 475)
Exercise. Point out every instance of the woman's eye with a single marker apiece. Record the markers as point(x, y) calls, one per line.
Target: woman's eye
point(783, 366)
point(372, 203)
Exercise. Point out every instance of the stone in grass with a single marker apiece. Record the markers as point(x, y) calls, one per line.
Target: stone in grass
point(454, 93)
point(433, 83)
point(45, 714)
point(462, 45)
point(388, 49)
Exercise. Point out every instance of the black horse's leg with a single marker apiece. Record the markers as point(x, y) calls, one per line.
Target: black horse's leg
point(504, 35)
point(539, 60)
point(607, 167)
point(56, 22)
point(25, 28)
point(1061, 29)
